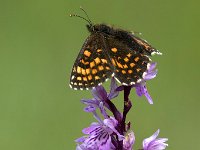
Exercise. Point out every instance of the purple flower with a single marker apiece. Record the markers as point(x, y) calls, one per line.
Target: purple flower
point(141, 88)
point(99, 136)
point(100, 93)
point(100, 96)
point(152, 143)
point(129, 141)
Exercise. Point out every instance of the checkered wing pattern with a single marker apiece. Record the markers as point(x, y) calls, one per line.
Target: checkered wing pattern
point(92, 66)
point(129, 64)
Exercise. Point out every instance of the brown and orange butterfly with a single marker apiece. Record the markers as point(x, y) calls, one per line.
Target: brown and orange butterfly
point(110, 52)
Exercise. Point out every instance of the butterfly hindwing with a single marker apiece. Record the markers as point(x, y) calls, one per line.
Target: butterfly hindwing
point(92, 66)
point(129, 63)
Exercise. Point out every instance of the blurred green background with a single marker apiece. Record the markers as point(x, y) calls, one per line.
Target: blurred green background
point(39, 43)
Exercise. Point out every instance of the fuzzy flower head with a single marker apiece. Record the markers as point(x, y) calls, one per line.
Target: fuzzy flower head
point(152, 143)
point(99, 136)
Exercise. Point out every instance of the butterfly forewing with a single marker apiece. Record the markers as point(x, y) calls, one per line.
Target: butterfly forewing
point(144, 46)
point(92, 66)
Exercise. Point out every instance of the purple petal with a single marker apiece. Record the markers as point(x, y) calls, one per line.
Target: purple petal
point(81, 139)
point(142, 90)
point(150, 100)
point(81, 147)
point(96, 116)
point(112, 123)
point(129, 141)
point(152, 66)
point(91, 128)
point(139, 90)
point(89, 108)
point(152, 143)
point(103, 111)
point(150, 139)
point(150, 75)
point(90, 102)
point(151, 72)
point(100, 137)
point(99, 93)
point(113, 86)
point(158, 144)
point(99, 142)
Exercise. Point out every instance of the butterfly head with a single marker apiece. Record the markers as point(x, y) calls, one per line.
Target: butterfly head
point(90, 27)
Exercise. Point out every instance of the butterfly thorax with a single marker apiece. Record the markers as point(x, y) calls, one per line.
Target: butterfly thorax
point(109, 30)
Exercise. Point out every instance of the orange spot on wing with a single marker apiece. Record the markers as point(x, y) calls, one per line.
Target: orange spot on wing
point(125, 66)
point(123, 71)
point(107, 68)
point(94, 71)
point(96, 77)
point(100, 68)
point(113, 62)
point(87, 53)
point(89, 77)
point(87, 71)
point(130, 71)
point(129, 55)
point(126, 59)
point(97, 60)
point(79, 78)
point(114, 50)
point(136, 59)
point(83, 72)
point(92, 64)
point(119, 65)
point(84, 79)
point(79, 69)
point(104, 61)
point(132, 64)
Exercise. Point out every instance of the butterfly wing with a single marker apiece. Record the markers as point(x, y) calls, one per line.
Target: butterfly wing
point(145, 47)
point(92, 66)
point(129, 64)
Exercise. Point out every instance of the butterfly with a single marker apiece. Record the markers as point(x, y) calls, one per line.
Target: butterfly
point(109, 52)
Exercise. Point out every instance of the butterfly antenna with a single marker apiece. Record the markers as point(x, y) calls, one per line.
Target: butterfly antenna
point(86, 15)
point(74, 15)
